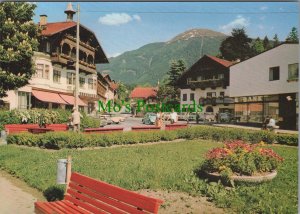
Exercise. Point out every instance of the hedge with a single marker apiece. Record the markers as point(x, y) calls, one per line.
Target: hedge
point(58, 140)
point(50, 117)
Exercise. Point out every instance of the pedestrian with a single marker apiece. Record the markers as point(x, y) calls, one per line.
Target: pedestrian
point(272, 124)
point(173, 116)
point(197, 117)
point(76, 116)
point(217, 117)
point(265, 123)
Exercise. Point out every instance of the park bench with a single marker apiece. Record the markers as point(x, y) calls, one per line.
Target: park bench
point(16, 128)
point(103, 130)
point(145, 128)
point(87, 195)
point(175, 126)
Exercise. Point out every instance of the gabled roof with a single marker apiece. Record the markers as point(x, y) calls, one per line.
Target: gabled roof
point(221, 61)
point(56, 27)
point(144, 93)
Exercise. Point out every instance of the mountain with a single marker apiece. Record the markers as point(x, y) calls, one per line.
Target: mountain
point(150, 63)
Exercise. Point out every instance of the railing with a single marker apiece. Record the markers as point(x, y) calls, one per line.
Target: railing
point(80, 42)
point(213, 83)
point(63, 58)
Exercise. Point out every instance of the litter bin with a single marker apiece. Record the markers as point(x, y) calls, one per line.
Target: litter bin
point(3, 137)
point(61, 176)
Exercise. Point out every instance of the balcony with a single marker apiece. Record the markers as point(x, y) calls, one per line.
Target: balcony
point(212, 83)
point(63, 58)
point(82, 44)
point(216, 101)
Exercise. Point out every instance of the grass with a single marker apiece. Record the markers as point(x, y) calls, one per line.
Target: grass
point(166, 166)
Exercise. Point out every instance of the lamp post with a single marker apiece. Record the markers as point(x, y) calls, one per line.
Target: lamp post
point(77, 61)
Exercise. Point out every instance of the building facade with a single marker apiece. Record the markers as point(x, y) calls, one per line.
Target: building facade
point(267, 85)
point(53, 84)
point(207, 83)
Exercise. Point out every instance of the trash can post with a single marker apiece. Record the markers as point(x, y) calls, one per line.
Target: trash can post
point(69, 169)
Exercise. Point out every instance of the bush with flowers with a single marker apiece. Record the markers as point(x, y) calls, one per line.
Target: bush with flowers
point(241, 159)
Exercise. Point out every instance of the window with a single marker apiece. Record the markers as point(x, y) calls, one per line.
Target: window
point(293, 71)
point(274, 73)
point(24, 100)
point(70, 78)
point(91, 83)
point(81, 82)
point(56, 76)
point(220, 76)
point(211, 94)
point(192, 96)
point(42, 71)
point(222, 94)
point(184, 97)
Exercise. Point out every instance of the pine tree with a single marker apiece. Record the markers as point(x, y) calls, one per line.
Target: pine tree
point(276, 41)
point(18, 40)
point(176, 69)
point(293, 36)
point(236, 46)
point(266, 43)
point(258, 46)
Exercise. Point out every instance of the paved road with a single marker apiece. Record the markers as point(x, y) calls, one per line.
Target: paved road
point(13, 199)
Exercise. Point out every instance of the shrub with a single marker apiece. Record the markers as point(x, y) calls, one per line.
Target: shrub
point(238, 157)
point(58, 140)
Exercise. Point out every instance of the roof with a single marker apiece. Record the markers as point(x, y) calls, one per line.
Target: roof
point(221, 61)
point(56, 27)
point(114, 85)
point(145, 93)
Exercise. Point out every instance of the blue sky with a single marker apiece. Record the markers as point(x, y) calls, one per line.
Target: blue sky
point(127, 26)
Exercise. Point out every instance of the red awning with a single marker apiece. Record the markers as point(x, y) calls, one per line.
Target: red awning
point(71, 100)
point(48, 97)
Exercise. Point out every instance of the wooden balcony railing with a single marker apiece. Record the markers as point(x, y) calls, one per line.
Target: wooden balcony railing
point(207, 83)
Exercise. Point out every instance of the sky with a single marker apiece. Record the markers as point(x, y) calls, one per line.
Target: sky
point(125, 26)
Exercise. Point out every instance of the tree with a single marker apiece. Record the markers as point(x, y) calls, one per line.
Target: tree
point(266, 43)
point(236, 46)
point(293, 36)
point(18, 40)
point(175, 71)
point(276, 41)
point(258, 46)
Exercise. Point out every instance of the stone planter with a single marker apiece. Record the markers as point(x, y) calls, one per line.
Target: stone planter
point(248, 179)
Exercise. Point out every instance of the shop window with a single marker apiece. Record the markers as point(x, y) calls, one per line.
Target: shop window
point(240, 111)
point(271, 109)
point(274, 73)
point(56, 76)
point(293, 71)
point(184, 97)
point(255, 112)
point(192, 96)
point(24, 100)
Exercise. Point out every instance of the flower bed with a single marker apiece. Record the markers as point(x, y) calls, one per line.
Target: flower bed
point(241, 161)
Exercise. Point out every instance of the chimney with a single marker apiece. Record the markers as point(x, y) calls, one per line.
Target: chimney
point(70, 12)
point(43, 20)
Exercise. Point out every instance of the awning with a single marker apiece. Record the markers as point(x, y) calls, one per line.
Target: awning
point(71, 100)
point(48, 97)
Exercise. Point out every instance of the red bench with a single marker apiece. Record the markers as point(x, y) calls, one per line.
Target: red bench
point(16, 128)
point(145, 128)
point(103, 130)
point(87, 195)
point(175, 126)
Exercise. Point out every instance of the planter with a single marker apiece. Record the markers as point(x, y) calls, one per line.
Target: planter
point(248, 179)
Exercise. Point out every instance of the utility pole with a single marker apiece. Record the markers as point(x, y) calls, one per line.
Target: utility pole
point(77, 61)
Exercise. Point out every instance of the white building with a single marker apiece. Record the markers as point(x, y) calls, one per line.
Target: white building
point(267, 85)
point(207, 83)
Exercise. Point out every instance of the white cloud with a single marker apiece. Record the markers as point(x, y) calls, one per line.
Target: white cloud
point(239, 22)
point(137, 17)
point(263, 8)
point(118, 18)
point(114, 55)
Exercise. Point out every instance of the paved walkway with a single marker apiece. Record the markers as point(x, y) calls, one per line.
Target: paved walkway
point(255, 128)
point(13, 199)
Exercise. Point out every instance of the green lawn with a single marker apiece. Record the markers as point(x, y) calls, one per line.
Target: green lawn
point(162, 166)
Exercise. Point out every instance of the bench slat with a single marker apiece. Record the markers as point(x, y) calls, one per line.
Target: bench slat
point(50, 208)
point(70, 208)
point(135, 199)
point(83, 205)
point(41, 206)
point(99, 204)
point(118, 204)
point(78, 209)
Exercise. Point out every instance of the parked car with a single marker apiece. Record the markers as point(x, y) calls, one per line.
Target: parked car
point(117, 118)
point(149, 118)
point(226, 117)
point(182, 116)
point(192, 116)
